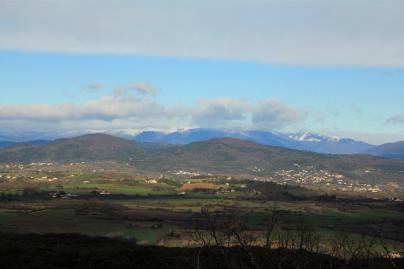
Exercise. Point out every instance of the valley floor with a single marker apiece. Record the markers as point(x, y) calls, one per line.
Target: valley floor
point(185, 212)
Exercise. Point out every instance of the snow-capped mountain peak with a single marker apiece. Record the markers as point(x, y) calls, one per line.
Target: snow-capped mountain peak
point(310, 137)
point(300, 141)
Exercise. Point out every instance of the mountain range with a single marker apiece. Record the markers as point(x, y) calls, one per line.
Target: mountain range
point(229, 156)
point(389, 150)
point(300, 141)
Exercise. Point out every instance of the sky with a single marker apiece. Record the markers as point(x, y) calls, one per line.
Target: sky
point(331, 67)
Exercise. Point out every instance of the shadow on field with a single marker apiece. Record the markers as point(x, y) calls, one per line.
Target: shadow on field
point(79, 251)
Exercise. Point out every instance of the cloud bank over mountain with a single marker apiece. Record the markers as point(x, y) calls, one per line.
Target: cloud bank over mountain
point(135, 107)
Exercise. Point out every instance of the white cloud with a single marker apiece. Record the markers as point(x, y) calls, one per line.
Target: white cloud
point(123, 109)
point(221, 112)
point(276, 115)
point(305, 32)
point(227, 112)
point(115, 105)
point(143, 87)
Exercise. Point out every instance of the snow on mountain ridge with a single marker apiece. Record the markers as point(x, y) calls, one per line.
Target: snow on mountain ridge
point(310, 137)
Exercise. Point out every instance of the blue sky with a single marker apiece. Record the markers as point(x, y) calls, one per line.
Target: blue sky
point(301, 69)
point(337, 100)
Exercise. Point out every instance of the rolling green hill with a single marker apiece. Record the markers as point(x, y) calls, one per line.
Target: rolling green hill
point(94, 147)
point(234, 156)
point(227, 156)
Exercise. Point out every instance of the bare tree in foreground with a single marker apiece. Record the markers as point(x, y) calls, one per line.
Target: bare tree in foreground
point(241, 246)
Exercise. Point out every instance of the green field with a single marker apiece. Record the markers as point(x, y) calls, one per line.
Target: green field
point(119, 189)
point(156, 221)
point(67, 221)
point(116, 204)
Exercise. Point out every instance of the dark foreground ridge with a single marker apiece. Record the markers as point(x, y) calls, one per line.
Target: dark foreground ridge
point(79, 251)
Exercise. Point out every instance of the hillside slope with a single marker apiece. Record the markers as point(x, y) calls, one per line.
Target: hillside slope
point(227, 156)
point(241, 157)
point(390, 150)
point(90, 147)
point(4, 144)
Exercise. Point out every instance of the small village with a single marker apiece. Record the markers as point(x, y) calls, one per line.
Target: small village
point(320, 179)
point(305, 176)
